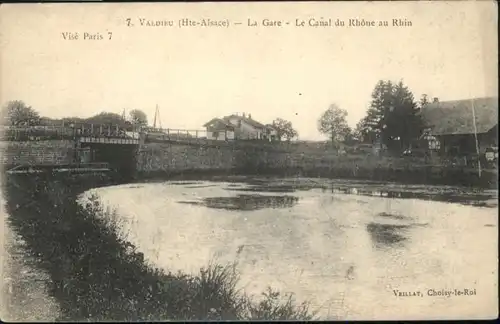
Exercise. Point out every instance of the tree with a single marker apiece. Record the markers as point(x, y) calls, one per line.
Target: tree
point(18, 113)
point(333, 123)
point(393, 116)
point(372, 124)
point(424, 100)
point(359, 132)
point(404, 123)
point(284, 129)
point(107, 118)
point(351, 137)
point(138, 117)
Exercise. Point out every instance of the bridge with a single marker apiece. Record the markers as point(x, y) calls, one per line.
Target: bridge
point(84, 144)
point(107, 134)
point(79, 147)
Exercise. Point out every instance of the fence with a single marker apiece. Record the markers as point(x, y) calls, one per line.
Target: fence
point(12, 133)
point(165, 134)
point(27, 133)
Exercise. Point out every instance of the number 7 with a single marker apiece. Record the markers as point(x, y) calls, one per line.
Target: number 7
point(110, 34)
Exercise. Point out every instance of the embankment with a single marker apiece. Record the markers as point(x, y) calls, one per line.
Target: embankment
point(97, 275)
point(166, 159)
point(51, 152)
point(163, 160)
point(314, 163)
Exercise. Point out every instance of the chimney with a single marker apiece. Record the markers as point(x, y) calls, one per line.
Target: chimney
point(250, 116)
point(435, 100)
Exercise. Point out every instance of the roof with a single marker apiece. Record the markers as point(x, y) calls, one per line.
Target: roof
point(249, 121)
point(219, 123)
point(455, 117)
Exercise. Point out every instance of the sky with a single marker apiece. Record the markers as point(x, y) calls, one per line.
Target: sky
point(195, 74)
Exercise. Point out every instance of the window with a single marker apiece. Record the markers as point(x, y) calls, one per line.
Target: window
point(434, 143)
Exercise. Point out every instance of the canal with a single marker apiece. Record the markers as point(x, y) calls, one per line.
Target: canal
point(347, 247)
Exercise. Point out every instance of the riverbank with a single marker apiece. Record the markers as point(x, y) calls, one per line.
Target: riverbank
point(385, 173)
point(96, 274)
point(328, 164)
point(24, 289)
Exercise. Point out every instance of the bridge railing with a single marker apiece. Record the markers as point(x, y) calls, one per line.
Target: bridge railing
point(159, 134)
point(15, 133)
point(27, 133)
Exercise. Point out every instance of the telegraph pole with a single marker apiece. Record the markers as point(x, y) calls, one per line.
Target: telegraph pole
point(157, 117)
point(475, 136)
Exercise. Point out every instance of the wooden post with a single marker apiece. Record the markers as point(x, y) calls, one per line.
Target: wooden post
point(91, 129)
point(100, 130)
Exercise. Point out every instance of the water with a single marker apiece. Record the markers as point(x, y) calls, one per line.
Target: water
point(344, 246)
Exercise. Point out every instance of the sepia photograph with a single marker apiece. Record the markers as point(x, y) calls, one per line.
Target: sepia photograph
point(249, 161)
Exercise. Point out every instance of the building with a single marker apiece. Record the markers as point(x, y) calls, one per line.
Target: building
point(271, 133)
point(219, 129)
point(241, 127)
point(451, 128)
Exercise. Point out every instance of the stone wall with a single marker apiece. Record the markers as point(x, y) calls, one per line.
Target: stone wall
point(245, 158)
point(53, 152)
point(173, 157)
point(155, 159)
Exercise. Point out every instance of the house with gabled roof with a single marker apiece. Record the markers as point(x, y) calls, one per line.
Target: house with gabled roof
point(236, 126)
point(220, 130)
point(452, 128)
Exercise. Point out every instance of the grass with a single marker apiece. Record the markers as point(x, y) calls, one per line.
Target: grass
point(97, 275)
point(411, 170)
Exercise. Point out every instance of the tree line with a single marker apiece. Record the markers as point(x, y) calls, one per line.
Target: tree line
point(392, 119)
point(18, 113)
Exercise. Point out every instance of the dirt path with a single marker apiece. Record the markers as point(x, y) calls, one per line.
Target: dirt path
point(23, 294)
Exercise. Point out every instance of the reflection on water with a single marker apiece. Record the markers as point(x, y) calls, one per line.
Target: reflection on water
point(398, 217)
point(199, 186)
point(344, 250)
point(374, 189)
point(474, 199)
point(265, 189)
point(182, 183)
point(387, 234)
point(245, 202)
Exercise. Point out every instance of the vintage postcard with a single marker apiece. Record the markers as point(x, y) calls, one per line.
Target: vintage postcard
point(249, 161)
